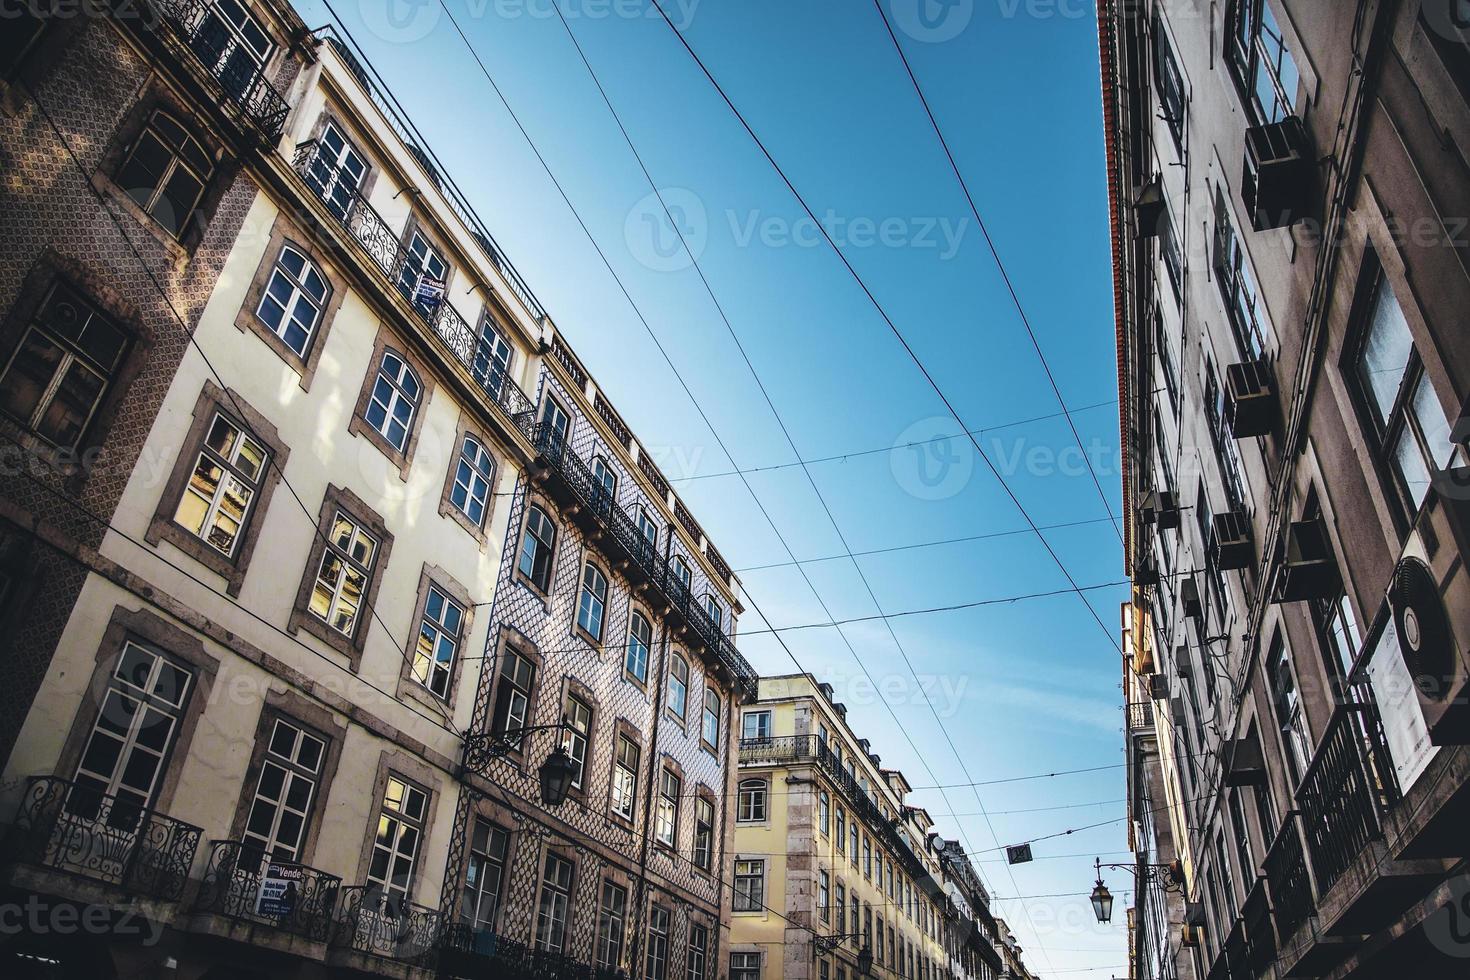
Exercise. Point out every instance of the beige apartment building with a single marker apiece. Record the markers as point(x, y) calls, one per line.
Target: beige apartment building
point(351, 632)
point(833, 870)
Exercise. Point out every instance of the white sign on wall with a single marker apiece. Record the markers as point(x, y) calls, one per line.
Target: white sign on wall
point(1398, 706)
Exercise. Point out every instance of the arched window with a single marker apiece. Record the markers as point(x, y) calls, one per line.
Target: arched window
point(473, 476)
point(640, 639)
point(752, 801)
point(394, 400)
point(593, 602)
point(537, 545)
point(710, 731)
point(293, 299)
point(165, 172)
point(678, 685)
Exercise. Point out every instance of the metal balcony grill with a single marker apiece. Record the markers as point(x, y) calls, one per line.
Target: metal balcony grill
point(372, 923)
point(1339, 803)
point(75, 829)
point(232, 887)
point(1287, 878)
point(469, 952)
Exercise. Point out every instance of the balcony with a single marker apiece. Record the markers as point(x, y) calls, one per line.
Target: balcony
point(62, 826)
point(471, 952)
point(1339, 806)
point(243, 884)
point(1287, 880)
point(382, 248)
point(197, 38)
point(373, 925)
point(1140, 718)
point(615, 533)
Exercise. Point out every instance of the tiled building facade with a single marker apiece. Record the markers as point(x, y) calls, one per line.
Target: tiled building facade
point(1289, 185)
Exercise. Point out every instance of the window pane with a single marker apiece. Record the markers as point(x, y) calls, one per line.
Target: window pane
point(1385, 352)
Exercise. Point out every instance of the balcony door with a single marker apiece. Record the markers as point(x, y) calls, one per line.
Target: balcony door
point(233, 44)
point(336, 172)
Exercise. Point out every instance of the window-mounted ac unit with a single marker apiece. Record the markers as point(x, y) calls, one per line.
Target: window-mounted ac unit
point(1190, 936)
point(1251, 407)
point(1310, 569)
point(1194, 914)
point(1244, 763)
point(1145, 573)
point(1160, 507)
point(1178, 713)
point(1189, 598)
point(1148, 208)
point(1279, 179)
point(1231, 544)
point(1158, 687)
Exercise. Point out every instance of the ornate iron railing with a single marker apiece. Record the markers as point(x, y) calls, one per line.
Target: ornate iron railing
point(75, 829)
point(1140, 718)
point(385, 249)
point(472, 952)
point(591, 495)
point(1338, 801)
point(1287, 878)
point(777, 749)
point(372, 923)
point(199, 33)
point(242, 882)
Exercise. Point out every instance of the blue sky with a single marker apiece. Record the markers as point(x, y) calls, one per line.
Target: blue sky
point(1022, 688)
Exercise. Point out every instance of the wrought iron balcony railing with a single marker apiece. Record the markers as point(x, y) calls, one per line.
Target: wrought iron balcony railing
point(623, 533)
point(1339, 802)
point(482, 953)
point(243, 882)
point(198, 34)
point(385, 250)
point(373, 923)
point(1140, 718)
point(1287, 879)
point(73, 828)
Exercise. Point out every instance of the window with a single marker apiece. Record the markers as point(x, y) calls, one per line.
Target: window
point(135, 728)
point(537, 544)
point(852, 831)
point(1288, 708)
point(216, 501)
point(483, 875)
point(612, 918)
point(868, 857)
point(745, 966)
point(1170, 84)
point(625, 778)
point(841, 906)
point(23, 31)
point(647, 527)
point(666, 823)
point(513, 696)
point(756, 725)
point(233, 44)
point(438, 642)
point(293, 300)
point(556, 896)
point(58, 376)
point(1238, 286)
point(1260, 61)
point(1172, 257)
point(841, 829)
point(704, 834)
point(1225, 449)
point(750, 886)
point(342, 578)
point(395, 398)
point(698, 952)
point(555, 422)
point(1242, 837)
point(710, 731)
point(682, 572)
point(716, 614)
point(878, 932)
point(878, 876)
point(593, 601)
point(165, 172)
point(421, 278)
point(396, 842)
point(867, 929)
point(678, 685)
point(284, 792)
point(604, 482)
point(474, 474)
point(577, 717)
point(1167, 364)
point(824, 896)
point(640, 640)
point(336, 171)
point(1405, 414)
point(751, 799)
point(491, 364)
point(657, 964)
point(824, 813)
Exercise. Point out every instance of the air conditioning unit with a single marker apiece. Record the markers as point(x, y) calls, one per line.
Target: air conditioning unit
point(1178, 713)
point(1243, 762)
point(1279, 179)
point(1148, 208)
point(1231, 543)
point(1310, 569)
point(1427, 644)
point(1158, 687)
point(1194, 914)
point(1251, 407)
point(1190, 937)
point(1160, 507)
point(1189, 599)
point(1145, 573)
